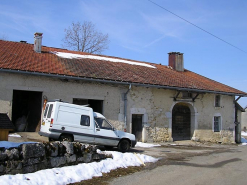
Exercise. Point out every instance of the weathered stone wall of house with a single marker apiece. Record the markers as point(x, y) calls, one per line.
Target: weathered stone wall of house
point(54, 88)
point(154, 104)
point(28, 158)
point(157, 105)
point(244, 120)
point(206, 112)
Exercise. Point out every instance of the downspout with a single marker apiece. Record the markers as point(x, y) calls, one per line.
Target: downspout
point(237, 123)
point(125, 108)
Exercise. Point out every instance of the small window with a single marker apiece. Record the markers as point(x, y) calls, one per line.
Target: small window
point(85, 120)
point(186, 95)
point(217, 101)
point(217, 124)
point(50, 110)
point(46, 110)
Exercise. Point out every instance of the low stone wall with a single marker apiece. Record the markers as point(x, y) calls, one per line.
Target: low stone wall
point(32, 157)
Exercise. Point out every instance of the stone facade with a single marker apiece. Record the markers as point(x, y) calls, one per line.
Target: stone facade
point(155, 105)
point(244, 120)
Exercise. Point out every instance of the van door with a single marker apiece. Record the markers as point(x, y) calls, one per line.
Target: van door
point(105, 133)
point(47, 119)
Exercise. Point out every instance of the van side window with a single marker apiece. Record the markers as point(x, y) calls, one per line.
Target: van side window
point(46, 110)
point(103, 124)
point(85, 120)
point(50, 110)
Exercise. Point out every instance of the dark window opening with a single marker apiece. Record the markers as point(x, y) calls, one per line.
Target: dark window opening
point(26, 110)
point(137, 126)
point(217, 101)
point(96, 105)
point(181, 122)
point(186, 95)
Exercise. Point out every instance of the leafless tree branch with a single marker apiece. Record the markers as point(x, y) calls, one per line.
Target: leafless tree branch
point(84, 37)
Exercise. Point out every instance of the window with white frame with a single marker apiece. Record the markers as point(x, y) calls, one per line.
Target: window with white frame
point(217, 101)
point(217, 123)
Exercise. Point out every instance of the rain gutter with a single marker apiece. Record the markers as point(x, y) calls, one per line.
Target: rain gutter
point(118, 82)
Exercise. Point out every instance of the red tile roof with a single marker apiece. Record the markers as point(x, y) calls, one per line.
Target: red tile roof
point(16, 56)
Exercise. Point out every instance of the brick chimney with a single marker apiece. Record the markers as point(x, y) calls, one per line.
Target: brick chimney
point(176, 61)
point(37, 42)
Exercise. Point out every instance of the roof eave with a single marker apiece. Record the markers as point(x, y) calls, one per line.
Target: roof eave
point(121, 82)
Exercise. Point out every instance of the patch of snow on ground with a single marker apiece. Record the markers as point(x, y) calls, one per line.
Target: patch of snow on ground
point(77, 173)
point(243, 133)
point(14, 135)
point(145, 145)
point(71, 56)
point(243, 140)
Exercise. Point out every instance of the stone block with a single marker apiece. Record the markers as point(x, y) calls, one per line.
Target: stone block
point(69, 147)
point(33, 168)
point(33, 150)
point(87, 157)
point(57, 161)
point(12, 154)
point(54, 149)
point(32, 161)
point(71, 158)
point(3, 156)
point(2, 168)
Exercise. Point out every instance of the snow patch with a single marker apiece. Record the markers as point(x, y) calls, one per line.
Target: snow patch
point(145, 145)
point(14, 135)
point(78, 56)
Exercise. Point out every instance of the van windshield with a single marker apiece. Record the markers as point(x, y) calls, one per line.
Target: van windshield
point(103, 124)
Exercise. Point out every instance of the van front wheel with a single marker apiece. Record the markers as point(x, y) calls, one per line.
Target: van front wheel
point(66, 138)
point(123, 146)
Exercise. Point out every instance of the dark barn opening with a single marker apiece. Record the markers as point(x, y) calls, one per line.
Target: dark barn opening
point(26, 110)
point(96, 105)
point(181, 122)
point(137, 126)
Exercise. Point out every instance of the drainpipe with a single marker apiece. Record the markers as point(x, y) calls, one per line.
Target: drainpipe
point(237, 123)
point(125, 108)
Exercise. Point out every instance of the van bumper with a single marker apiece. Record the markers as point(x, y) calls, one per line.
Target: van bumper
point(49, 135)
point(133, 143)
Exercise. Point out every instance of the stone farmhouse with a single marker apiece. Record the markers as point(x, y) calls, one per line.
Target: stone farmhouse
point(157, 103)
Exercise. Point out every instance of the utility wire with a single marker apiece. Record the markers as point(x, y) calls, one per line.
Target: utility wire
point(197, 26)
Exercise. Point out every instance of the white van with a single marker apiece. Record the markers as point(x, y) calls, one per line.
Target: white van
point(79, 123)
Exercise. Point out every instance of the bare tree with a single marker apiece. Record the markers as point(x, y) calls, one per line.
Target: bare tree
point(84, 37)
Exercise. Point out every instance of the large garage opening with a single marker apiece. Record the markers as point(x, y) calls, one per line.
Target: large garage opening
point(181, 122)
point(137, 126)
point(96, 105)
point(26, 110)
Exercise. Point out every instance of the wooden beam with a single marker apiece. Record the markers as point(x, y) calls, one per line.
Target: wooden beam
point(193, 99)
point(175, 98)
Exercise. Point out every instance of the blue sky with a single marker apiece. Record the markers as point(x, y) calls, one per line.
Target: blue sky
point(141, 31)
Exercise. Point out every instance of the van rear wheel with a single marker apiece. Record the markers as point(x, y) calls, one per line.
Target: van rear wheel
point(124, 146)
point(66, 138)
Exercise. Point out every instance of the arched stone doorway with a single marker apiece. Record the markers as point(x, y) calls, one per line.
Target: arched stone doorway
point(181, 122)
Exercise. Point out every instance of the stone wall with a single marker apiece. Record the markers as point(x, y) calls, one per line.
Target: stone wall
point(28, 158)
